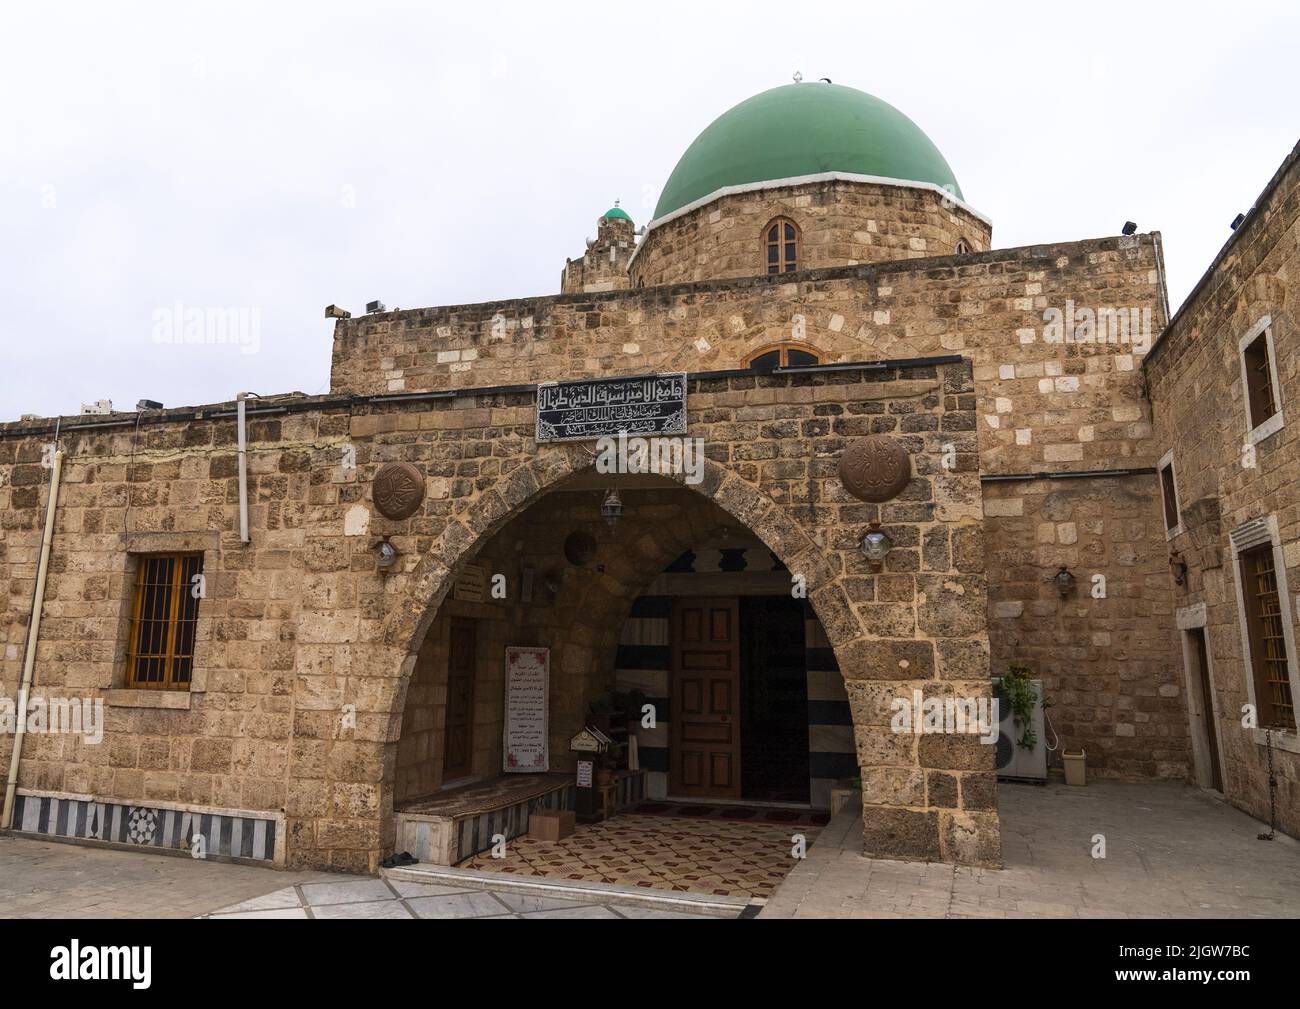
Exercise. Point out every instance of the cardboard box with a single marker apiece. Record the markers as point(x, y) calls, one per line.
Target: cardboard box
point(551, 824)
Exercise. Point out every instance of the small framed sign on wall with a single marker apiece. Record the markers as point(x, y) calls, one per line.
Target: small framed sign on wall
point(524, 737)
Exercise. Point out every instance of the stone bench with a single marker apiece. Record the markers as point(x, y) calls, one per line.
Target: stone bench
point(448, 828)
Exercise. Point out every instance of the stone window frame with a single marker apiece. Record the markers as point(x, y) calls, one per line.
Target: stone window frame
point(1253, 533)
point(1167, 461)
point(1257, 433)
point(963, 248)
point(1190, 618)
point(138, 545)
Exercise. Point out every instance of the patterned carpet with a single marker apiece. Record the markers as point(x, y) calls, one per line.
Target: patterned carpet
point(720, 857)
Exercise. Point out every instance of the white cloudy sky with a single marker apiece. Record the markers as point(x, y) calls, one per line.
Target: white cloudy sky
point(205, 153)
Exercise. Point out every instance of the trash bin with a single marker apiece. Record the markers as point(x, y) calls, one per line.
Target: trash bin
point(1076, 767)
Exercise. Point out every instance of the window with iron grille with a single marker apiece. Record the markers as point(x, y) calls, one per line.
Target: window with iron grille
point(1267, 638)
point(781, 246)
point(164, 613)
point(1261, 398)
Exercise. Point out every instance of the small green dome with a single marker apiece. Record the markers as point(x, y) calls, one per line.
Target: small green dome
point(804, 129)
point(616, 212)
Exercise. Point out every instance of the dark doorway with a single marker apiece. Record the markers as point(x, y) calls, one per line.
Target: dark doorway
point(773, 700)
point(458, 745)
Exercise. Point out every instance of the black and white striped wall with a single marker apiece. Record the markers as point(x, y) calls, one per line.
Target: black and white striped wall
point(223, 835)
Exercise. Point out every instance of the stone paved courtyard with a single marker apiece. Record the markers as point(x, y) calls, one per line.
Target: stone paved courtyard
point(1171, 851)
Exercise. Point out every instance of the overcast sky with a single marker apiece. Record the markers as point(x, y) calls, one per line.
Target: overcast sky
point(275, 158)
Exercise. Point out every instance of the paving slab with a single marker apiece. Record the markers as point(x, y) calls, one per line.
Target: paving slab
point(1171, 850)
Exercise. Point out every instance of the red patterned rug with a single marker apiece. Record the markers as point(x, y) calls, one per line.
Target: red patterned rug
point(746, 814)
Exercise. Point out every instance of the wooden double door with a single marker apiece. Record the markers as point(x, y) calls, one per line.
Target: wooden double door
point(705, 699)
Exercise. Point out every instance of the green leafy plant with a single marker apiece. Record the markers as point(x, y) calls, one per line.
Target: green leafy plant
point(612, 757)
point(1022, 697)
point(622, 702)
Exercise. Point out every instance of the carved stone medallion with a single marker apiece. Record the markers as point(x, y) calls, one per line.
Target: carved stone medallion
point(398, 490)
point(875, 469)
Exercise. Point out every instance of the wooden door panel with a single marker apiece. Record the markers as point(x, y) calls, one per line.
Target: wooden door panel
point(690, 699)
point(720, 625)
point(721, 696)
point(721, 769)
point(705, 726)
point(692, 769)
point(707, 732)
point(692, 625)
point(693, 660)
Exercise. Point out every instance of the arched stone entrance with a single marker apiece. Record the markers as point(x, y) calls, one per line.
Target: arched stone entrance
point(914, 621)
point(899, 773)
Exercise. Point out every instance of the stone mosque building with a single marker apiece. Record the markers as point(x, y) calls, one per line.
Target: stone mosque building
point(325, 629)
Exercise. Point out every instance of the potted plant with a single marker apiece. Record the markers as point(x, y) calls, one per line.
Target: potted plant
point(599, 711)
point(628, 702)
point(608, 762)
point(1021, 695)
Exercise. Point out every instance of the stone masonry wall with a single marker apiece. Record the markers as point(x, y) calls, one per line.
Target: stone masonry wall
point(841, 223)
point(1043, 407)
point(306, 652)
point(1224, 482)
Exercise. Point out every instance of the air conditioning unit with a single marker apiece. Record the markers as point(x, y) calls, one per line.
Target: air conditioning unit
point(1015, 762)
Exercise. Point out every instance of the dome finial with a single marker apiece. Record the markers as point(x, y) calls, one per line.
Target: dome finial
point(797, 77)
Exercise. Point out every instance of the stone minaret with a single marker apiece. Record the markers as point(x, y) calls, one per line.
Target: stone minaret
point(603, 267)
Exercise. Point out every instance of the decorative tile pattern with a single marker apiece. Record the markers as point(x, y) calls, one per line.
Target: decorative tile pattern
point(224, 835)
point(719, 857)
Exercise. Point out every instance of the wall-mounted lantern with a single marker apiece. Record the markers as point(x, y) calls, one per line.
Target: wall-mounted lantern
point(876, 544)
point(612, 508)
point(1179, 567)
point(1064, 581)
point(385, 556)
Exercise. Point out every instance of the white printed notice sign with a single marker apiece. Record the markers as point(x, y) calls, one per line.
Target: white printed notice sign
point(528, 675)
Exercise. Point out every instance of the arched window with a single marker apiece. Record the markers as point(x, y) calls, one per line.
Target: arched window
point(781, 246)
point(783, 355)
point(962, 248)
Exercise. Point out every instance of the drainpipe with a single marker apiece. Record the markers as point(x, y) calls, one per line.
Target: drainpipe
point(243, 469)
point(33, 633)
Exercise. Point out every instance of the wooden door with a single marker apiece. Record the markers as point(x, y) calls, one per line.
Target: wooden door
point(458, 730)
point(1210, 730)
point(705, 712)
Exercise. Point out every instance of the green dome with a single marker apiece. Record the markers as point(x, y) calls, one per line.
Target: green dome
point(616, 212)
point(804, 129)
